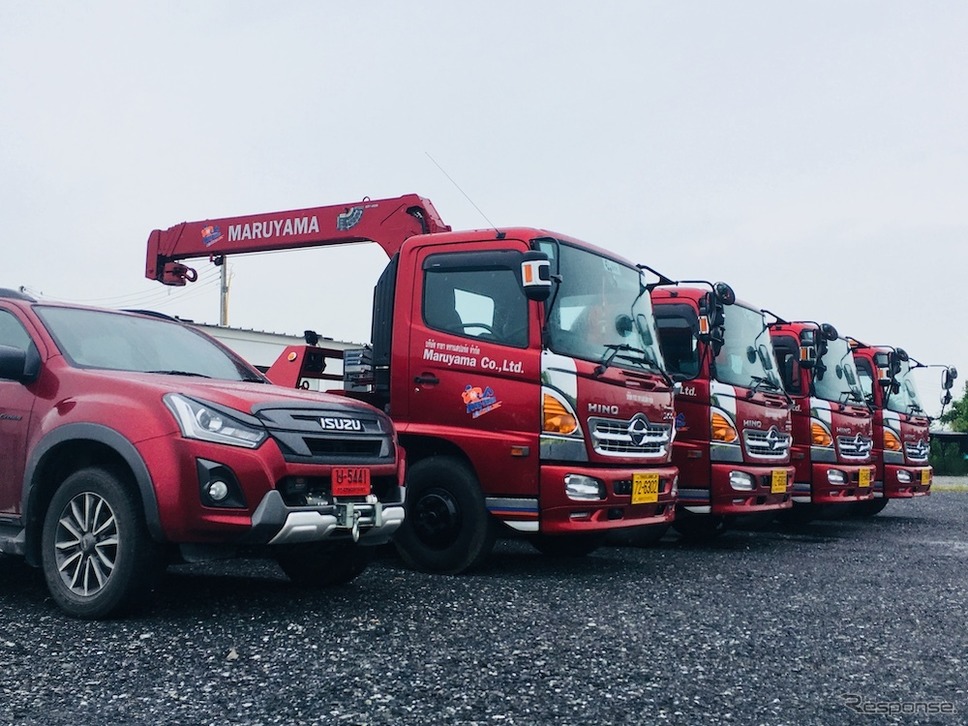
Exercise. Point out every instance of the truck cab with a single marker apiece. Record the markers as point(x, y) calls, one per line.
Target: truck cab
point(832, 424)
point(901, 438)
point(733, 420)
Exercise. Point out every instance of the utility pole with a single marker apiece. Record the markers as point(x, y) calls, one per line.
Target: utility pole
point(223, 318)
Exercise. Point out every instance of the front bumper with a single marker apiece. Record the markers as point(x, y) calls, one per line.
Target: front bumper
point(918, 484)
point(718, 497)
point(821, 491)
point(561, 515)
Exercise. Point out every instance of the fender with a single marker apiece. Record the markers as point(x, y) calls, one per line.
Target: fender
point(114, 441)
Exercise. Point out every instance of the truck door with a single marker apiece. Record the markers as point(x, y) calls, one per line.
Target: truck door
point(475, 362)
point(16, 403)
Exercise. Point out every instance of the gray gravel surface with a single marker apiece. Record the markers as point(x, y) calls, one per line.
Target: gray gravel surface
point(770, 627)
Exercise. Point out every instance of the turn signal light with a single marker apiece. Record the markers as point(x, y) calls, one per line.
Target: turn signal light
point(556, 418)
point(819, 436)
point(891, 441)
point(722, 429)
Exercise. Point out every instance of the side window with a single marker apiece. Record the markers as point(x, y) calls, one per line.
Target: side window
point(678, 326)
point(12, 333)
point(787, 357)
point(865, 377)
point(485, 303)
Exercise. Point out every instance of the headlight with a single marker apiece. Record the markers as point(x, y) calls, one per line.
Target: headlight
point(721, 427)
point(204, 421)
point(557, 416)
point(819, 434)
point(892, 442)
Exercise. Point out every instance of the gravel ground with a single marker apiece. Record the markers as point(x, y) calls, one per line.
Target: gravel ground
point(770, 627)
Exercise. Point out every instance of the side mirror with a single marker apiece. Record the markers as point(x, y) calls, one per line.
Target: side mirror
point(724, 293)
point(948, 379)
point(536, 275)
point(808, 348)
point(829, 331)
point(19, 365)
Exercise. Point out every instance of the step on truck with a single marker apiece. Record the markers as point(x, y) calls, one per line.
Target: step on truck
point(902, 445)
point(131, 440)
point(832, 423)
point(733, 420)
point(519, 365)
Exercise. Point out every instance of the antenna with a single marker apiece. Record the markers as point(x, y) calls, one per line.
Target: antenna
point(490, 223)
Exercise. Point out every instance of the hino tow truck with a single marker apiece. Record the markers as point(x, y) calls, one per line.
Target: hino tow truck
point(832, 424)
point(901, 439)
point(733, 421)
point(520, 366)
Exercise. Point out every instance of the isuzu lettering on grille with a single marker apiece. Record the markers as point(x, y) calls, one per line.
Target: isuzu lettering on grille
point(334, 423)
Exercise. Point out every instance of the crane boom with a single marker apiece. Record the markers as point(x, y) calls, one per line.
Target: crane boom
point(387, 222)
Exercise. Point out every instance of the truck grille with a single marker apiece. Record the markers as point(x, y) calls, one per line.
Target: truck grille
point(771, 444)
point(917, 450)
point(855, 447)
point(329, 435)
point(636, 437)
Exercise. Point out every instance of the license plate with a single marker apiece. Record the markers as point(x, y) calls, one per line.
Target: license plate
point(778, 485)
point(645, 488)
point(925, 476)
point(351, 481)
point(864, 478)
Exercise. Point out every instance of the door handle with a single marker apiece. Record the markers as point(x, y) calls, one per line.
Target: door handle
point(426, 379)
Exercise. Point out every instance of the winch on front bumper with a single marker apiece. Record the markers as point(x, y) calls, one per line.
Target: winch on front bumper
point(369, 523)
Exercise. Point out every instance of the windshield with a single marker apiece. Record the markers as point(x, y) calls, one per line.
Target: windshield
point(835, 376)
point(746, 358)
point(123, 342)
point(906, 400)
point(601, 310)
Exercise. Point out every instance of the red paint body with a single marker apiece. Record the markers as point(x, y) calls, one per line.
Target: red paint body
point(832, 431)
point(464, 391)
point(759, 447)
point(901, 443)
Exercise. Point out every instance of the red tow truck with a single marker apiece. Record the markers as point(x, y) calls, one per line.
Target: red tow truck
point(733, 421)
point(901, 439)
point(832, 424)
point(520, 367)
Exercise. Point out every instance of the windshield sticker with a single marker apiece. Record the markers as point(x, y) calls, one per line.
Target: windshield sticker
point(479, 401)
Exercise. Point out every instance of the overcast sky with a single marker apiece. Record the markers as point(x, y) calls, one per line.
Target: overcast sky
point(814, 155)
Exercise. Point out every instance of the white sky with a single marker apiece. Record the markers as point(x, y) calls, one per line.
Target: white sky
point(813, 155)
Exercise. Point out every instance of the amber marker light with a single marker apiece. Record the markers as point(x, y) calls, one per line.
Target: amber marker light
point(891, 441)
point(819, 436)
point(722, 429)
point(556, 418)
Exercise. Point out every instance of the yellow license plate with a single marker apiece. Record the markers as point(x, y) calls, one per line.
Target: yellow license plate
point(864, 477)
point(645, 488)
point(779, 483)
point(925, 476)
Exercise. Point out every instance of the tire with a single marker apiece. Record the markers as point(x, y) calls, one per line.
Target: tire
point(698, 527)
point(98, 559)
point(324, 566)
point(447, 528)
point(567, 545)
point(870, 508)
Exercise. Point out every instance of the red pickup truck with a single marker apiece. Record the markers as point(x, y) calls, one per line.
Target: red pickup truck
point(129, 439)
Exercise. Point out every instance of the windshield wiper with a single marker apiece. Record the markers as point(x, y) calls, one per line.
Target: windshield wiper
point(611, 351)
point(180, 373)
point(642, 359)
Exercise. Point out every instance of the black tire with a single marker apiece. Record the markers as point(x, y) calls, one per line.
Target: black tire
point(315, 565)
point(447, 528)
point(645, 536)
point(698, 527)
point(870, 508)
point(567, 545)
point(98, 558)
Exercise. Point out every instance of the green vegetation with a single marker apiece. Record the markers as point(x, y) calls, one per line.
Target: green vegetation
point(957, 415)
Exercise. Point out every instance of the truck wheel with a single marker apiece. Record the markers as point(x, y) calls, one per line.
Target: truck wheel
point(870, 507)
point(567, 545)
point(98, 558)
point(447, 528)
point(321, 566)
point(698, 527)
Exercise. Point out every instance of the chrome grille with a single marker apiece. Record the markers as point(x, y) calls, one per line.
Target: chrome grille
point(917, 450)
point(771, 444)
point(635, 437)
point(855, 447)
